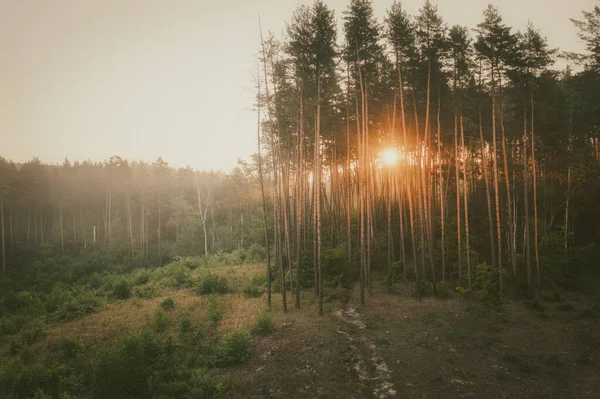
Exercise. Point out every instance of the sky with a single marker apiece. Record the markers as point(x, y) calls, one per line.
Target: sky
point(91, 79)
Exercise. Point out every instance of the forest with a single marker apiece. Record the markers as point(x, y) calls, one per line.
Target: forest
point(401, 163)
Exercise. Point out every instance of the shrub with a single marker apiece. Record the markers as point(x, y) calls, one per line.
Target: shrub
point(122, 370)
point(141, 276)
point(214, 311)
point(488, 288)
point(167, 304)
point(263, 325)
point(259, 280)
point(234, 348)
point(443, 290)
point(335, 261)
point(122, 289)
point(255, 254)
point(425, 287)
point(70, 347)
point(146, 292)
point(211, 284)
point(174, 275)
point(185, 324)
point(252, 292)
point(160, 320)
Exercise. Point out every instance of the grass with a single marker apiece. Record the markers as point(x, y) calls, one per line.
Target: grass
point(434, 345)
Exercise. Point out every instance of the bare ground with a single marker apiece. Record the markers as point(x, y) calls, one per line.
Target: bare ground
point(397, 346)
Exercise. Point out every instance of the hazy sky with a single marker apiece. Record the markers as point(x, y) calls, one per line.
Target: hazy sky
point(89, 79)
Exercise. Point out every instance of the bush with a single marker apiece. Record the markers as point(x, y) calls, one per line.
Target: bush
point(335, 261)
point(70, 347)
point(252, 292)
point(488, 288)
point(160, 320)
point(214, 311)
point(255, 254)
point(174, 275)
point(20, 380)
point(167, 304)
point(146, 292)
point(259, 280)
point(443, 290)
point(263, 325)
point(211, 284)
point(185, 324)
point(234, 348)
point(122, 371)
point(141, 276)
point(122, 289)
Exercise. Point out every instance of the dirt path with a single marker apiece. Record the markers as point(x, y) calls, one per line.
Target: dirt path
point(370, 368)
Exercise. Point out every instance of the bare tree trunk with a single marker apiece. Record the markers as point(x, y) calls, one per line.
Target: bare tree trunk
point(535, 213)
point(566, 239)
point(465, 196)
point(130, 227)
point(158, 230)
point(62, 236)
point(28, 225)
point(484, 162)
point(317, 179)
point(3, 239)
point(458, 213)
point(262, 190)
point(513, 255)
point(526, 199)
point(362, 185)
point(348, 176)
point(441, 185)
point(299, 198)
point(496, 189)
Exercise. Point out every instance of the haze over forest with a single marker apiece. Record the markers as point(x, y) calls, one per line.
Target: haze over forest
point(416, 214)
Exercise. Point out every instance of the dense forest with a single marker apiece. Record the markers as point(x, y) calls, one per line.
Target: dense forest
point(415, 148)
point(403, 150)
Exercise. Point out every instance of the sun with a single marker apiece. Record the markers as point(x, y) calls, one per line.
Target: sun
point(389, 156)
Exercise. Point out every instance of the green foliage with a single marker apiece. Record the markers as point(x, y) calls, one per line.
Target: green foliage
point(259, 280)
point(185, 324)
point(122, 371)
point(27, 336)
point(146, 292)
point(334, 264)
point(255, 254)
point(214, 310)
point(70, 347)
point(488, 287)
point(174, 275)
point(160, 320)
point(263, 325)
point(211, 284)
point(167, 304)
point(140, 276)
point(443, 290)
point(20, 379)
point(122, 289)
point(234, 348)
point(252, 292)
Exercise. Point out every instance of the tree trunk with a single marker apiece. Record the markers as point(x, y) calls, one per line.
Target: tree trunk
point(526, 200)
point(465, 196)
point(262, 190)
point(2, 236)
point(535, 212)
